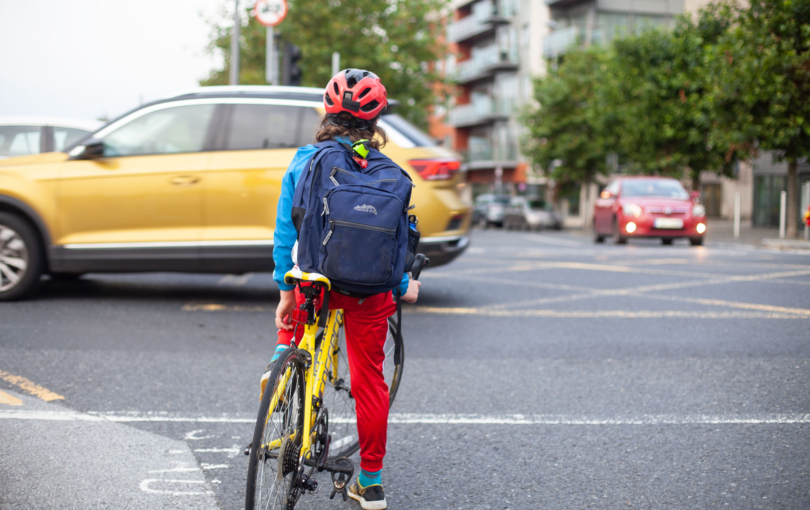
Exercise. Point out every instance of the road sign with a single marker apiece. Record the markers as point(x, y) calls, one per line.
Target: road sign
point(270, 12)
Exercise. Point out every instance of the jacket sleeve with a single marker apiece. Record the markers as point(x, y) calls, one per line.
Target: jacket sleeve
point(403, 285)
point(284, 236)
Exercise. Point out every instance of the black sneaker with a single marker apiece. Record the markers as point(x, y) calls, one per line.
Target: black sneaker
point(370, 498)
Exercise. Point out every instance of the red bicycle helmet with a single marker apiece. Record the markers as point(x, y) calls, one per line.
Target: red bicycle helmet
point(357, 92)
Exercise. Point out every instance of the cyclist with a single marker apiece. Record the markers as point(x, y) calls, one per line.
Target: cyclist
point(365, 317)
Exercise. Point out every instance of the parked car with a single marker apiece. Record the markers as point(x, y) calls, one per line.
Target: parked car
point(648, 207)
point(23, 136)
point(530, 214)
point(488, 209)
point(191, 183)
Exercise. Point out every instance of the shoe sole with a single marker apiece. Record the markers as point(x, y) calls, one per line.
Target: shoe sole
point(368, 505)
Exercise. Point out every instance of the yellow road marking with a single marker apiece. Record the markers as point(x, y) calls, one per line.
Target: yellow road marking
point(214, 307)
point(734, 304)
point(9, 400)
point(30, 387)
point(584, 314)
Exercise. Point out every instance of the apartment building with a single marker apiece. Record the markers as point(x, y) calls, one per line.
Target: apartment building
point(496, 51)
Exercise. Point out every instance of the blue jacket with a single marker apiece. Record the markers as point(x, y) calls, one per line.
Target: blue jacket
point(285, 235)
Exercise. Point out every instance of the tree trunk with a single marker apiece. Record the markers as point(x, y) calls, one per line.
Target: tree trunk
point(695, 181)
point(792, 202)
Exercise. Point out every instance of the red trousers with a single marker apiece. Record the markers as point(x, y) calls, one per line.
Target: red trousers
point(366, 326)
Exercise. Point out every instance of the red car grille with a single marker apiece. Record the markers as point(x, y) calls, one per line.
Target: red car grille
point(667, 211)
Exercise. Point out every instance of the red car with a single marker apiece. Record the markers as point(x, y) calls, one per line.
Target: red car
point(648, 207)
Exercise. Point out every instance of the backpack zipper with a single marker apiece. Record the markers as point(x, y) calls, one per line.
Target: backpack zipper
point(342, 223)
point(338, 169)
point(325, 207)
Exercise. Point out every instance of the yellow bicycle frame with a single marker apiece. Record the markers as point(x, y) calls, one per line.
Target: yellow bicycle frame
point(324, 364)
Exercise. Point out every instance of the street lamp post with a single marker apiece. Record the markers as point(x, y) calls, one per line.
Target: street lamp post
point(234, 78)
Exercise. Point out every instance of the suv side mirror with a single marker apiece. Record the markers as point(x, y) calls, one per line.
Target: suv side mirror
point(91, 149)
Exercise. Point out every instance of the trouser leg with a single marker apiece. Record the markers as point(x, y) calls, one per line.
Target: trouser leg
point(366, 326)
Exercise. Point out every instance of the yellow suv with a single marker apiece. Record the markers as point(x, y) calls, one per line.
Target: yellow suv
point(190, 183)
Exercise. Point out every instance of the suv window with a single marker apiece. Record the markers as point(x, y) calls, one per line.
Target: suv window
point(166, 131)
point(255, 126)
point(65, 137)
point(19, 140)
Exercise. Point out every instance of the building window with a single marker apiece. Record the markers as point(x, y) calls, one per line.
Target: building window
point(767, 195)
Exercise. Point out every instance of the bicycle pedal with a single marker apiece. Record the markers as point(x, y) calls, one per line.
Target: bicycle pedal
point(342, 491)
point(246, 451)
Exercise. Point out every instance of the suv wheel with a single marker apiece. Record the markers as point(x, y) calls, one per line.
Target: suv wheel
point(20, 257)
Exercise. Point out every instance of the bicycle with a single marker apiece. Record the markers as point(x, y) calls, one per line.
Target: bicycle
point(294, 434)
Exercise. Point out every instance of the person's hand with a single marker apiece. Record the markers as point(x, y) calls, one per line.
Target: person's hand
point(413, 291)
point(285, 305)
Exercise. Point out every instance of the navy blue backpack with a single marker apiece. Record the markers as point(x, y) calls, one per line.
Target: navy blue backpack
point(352, 222)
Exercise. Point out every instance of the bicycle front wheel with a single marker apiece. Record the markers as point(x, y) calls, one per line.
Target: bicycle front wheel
point(274, 453)
point(338, 398)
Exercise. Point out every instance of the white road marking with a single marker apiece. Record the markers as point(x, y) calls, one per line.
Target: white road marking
point(144, 486)
point(441, 419)
point(214, 466)
point(235, 280)
point(192, 436)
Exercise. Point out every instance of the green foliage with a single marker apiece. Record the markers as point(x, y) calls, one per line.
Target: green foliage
point(393, 38)
point(762, 77)
point(658, 96)
point(568, 129)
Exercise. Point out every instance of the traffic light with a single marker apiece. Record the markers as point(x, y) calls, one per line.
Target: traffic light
point(291, 70)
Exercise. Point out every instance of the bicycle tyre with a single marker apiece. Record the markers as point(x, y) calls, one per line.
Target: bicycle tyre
point(292, 417)
point(340, 403)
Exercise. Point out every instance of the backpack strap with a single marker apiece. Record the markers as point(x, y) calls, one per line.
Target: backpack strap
point(398, 335)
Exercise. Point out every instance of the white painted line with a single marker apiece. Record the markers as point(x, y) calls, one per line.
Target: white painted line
point(214, 466)
point(217, 450)
point(144, 486)
point(440, 419)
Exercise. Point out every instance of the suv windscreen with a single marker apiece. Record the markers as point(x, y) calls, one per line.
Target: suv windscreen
point(653, 188)
point(409, 131)
point(255, 126)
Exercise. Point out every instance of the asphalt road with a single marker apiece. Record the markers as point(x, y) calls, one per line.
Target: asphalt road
point(542, 371)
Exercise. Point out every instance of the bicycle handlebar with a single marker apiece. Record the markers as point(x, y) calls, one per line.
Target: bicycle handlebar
point(419, 263)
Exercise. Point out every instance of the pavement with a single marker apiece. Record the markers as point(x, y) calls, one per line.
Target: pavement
point(541, 371)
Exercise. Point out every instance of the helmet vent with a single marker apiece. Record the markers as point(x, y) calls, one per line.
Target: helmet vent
point(351, 81)
point(363, 94)
point(370, 106)
point(328, 100)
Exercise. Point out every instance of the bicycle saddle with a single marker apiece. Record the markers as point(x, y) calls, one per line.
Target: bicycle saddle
point(295, 275)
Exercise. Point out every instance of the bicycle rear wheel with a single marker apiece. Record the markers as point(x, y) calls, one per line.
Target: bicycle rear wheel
point(276, 445)
point(338, 399)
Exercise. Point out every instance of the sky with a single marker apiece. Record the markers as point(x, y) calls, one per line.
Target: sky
point(100, 58)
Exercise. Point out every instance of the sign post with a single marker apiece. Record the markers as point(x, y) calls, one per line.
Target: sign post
point(270, 13)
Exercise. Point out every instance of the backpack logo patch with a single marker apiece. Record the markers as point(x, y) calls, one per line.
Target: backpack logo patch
point(366, 208)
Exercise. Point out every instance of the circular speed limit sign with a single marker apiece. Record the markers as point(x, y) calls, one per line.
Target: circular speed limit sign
point(270, 12)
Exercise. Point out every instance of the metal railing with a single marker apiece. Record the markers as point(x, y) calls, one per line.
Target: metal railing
point(487, 151)
point(556, 43)
point(485, 58)
point(481, 110)
point(481, 20)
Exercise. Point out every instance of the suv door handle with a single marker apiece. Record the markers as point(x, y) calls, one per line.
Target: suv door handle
point(185, 180)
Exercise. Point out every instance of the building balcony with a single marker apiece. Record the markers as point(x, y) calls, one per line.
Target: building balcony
point(484, 154)
point(485, 17)
point(559, 41)
point(481, 111)
point(485, 63)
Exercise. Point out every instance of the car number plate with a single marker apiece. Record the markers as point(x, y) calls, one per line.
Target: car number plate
point(674, 223)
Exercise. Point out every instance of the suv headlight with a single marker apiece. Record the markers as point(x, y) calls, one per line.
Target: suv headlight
point(631, 210)
point(698, 210)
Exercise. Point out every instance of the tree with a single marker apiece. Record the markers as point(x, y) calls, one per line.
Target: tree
point(568, 129)
point(761, 86)
point(395, 39)
point(658, 97)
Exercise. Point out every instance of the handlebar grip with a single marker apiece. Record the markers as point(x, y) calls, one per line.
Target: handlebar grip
point(419, 263)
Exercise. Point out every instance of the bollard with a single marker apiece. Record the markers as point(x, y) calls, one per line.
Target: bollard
point(736, 215)
point(782, 215)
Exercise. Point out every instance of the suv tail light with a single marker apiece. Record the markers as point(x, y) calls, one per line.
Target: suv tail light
point(436, 169)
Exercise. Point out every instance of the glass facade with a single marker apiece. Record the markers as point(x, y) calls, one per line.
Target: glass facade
point(767, 191)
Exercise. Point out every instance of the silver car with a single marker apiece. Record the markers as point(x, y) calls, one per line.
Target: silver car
point(530, 214)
